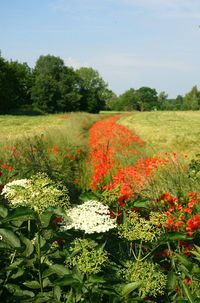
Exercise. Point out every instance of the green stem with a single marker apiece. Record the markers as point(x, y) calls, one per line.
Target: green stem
point(11, 262)
point(40, 264)
point(29, 228)
point(140, 251)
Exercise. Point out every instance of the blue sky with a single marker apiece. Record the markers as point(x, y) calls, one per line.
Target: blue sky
point(132, 43)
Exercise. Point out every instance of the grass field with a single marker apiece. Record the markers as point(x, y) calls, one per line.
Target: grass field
point(167, 131)
point(162, 131)
point(57, 127)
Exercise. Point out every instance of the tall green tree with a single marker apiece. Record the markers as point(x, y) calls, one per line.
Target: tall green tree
point(127, 101)
point(162, 98)
point(191, 100)
point(94, 90)
point(56, 87)
point(147, 98)
point(15, 85)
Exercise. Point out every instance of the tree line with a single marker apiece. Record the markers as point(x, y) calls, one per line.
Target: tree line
point(53, 87)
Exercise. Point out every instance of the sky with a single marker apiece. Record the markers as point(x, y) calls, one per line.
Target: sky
point(132, 43)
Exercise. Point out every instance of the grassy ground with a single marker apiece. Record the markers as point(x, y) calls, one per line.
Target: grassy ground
point(167, 131)
point(57, 127)
point(162, 131)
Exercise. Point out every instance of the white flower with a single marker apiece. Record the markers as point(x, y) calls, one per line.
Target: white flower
point(91, 217)
point(39, 192)
point(11, 185)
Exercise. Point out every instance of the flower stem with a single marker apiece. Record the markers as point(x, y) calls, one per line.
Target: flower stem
point(39, 261)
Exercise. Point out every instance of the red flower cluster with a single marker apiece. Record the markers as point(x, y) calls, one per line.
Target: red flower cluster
point(109, 142)
point(182, 215)
point(114, 159)
point(133, 178)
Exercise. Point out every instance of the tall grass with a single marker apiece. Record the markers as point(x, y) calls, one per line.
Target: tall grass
point(54, 144)
point(167, 131)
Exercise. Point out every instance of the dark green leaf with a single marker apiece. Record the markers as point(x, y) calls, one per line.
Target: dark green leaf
point(171, 280)
point(21, 214)
point(18, 274)
point(128, 288)
point(88, 196)
point(175, 236)
point(185, 261)
point(3, 211)
point(188, 293)
point(46, 282)
point(18, 292)
point(57, 292)
point(32, 284)
point(96, 279)
point(29, 246)
point(141, 204)
point(66, 280)
point(58, 269)
point(9, 237)
point(15, 264)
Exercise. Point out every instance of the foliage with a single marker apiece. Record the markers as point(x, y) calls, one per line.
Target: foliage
point(93, 91)
point(55, 87)
point(108, 245)
point(15, 85)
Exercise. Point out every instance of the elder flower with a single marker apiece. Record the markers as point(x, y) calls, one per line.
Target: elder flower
point(90, 217)
point(137, 228)
point(39, 192)
point(153, 281)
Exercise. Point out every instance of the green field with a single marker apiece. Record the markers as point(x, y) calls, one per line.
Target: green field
point(167, 131)
point(57, 127)
point(162, 131)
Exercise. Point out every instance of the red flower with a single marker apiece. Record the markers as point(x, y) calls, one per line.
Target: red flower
point(121, 200)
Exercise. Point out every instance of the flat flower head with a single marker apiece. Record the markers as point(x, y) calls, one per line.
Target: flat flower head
point(39, 192)
point(90, 217)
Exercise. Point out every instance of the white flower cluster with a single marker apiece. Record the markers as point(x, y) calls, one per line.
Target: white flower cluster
point(9, 186)
point(11, 190)
point(91, 217)
point(38, 193)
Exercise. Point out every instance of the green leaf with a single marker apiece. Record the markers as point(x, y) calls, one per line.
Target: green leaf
point(70, 297)
point(57, 292)
point(15, 264)
point(21, 214)
point(18, 274)
point(18, 292)
point(44, 297)
point(66, 281)
point(197, 248)
point(32, 284)
point(88, 196)
point(3, 211)
point(128, 288)
point(29, 246)
point(175, 236)
point(141, 204)
point(188, 293)
point(46, 282)
point(58, 269)
point(46, 216)
point(171, 280)
point(96, 279)
point(185, 261)
point(10, 238)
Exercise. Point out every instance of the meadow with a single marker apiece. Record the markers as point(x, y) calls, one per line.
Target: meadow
point(100, 208)
point(167, 131)
point(15, 128)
